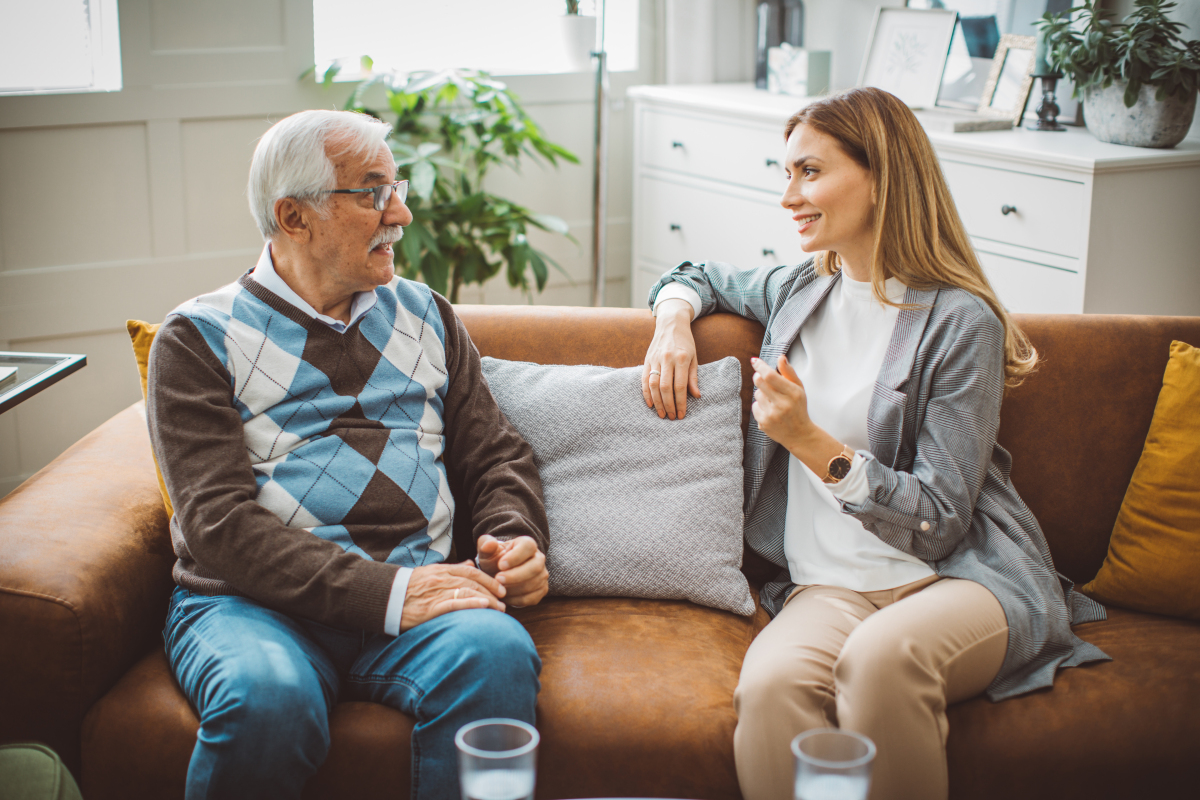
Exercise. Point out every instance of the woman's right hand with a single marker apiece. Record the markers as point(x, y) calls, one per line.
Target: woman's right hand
point(672, 360)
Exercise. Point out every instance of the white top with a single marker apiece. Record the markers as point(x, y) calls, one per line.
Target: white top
point(837, 354)
point(264, 275)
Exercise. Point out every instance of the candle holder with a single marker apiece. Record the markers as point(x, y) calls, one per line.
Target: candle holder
point(1048, 109)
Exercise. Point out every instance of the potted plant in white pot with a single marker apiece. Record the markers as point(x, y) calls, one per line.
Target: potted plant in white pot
point(578, 38)
point(1138, 79)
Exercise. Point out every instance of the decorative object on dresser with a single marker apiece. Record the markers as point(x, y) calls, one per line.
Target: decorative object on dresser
point(1138, 79)
point(1007, 90)
point(1047, 110)
point(1062, 224)
point(777, 22)
point(907, 53)
point(796, 71)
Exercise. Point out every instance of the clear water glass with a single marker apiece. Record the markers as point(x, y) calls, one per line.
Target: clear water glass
point(832, 764)
point(497, 759)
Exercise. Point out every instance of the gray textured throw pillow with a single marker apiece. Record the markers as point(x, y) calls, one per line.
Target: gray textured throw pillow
point(638, 506)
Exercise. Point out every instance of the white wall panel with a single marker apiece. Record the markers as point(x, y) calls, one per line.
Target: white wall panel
point(216, 162)
point(225, 24)
point(72, 195)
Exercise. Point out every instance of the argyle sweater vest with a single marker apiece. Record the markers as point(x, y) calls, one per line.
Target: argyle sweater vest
point(344, 431)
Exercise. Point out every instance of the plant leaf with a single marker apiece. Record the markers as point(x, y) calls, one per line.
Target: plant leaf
point(421, 177)
point(549, 222)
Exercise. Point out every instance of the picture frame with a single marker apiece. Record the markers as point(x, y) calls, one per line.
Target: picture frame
point(906, 53)
point(1010, 80)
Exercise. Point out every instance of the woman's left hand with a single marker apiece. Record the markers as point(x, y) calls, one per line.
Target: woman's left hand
point(780, 403)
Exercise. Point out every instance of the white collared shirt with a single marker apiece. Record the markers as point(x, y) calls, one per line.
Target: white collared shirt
point(264, 275)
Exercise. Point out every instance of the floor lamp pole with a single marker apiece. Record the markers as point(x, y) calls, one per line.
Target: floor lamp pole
point(600, 164)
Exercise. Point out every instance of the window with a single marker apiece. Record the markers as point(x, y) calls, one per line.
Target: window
point(59, 46)
point(513, 37)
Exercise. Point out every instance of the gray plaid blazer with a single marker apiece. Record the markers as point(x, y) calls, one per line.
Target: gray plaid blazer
point(938, 481)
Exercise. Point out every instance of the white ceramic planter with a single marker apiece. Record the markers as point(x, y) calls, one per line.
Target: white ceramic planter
point(577, 41)
point(1149, 123)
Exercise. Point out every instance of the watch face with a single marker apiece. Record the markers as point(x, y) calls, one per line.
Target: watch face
point(839, 467)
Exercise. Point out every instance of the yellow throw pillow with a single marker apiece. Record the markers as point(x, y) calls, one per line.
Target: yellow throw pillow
point(141, 334)
point(1154, 554)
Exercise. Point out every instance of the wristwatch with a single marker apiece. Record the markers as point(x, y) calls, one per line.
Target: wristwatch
point(839, 466)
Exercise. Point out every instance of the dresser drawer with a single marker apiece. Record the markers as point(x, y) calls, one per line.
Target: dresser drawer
point(747, 155)
point(1043, 213)
point(1027, 288)
point(677, 222)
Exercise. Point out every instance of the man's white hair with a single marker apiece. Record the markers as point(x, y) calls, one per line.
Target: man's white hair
point(292, 159)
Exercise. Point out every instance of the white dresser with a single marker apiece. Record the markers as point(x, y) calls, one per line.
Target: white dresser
point(1062, 223)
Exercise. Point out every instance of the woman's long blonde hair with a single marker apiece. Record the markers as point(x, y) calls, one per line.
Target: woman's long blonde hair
point(919, 237)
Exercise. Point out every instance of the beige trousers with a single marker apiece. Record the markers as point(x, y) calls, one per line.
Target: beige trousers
point(884, 664)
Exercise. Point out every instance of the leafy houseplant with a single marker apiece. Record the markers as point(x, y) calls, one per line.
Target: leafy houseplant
point(1144, 59)
point(449, 129)
point(1146, 49)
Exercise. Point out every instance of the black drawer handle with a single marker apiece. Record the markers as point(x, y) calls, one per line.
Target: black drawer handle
point(1006, 210)
point(772, 162)
point(677, 144)
point(768, 251)
point(675, 227)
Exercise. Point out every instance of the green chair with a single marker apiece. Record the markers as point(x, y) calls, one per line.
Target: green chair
point(34, 772)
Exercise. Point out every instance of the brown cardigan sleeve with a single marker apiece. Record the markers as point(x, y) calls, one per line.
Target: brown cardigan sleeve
point(228, 537)
point(490, 466)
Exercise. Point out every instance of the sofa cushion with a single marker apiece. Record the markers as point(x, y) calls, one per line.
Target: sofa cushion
point(138, 740)
point(1125, 728)
point(638, 506)
point(1154, 553)
point(613, 720)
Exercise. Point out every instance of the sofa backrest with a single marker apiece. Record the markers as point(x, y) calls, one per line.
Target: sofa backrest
point(1075, 428)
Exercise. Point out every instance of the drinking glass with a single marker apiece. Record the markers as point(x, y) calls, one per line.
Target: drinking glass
point(497, 759)
point(832, 764)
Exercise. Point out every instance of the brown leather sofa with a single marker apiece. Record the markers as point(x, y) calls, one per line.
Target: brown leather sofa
point(636, 694)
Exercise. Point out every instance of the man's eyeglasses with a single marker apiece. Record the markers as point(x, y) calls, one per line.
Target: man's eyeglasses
point(383, 194)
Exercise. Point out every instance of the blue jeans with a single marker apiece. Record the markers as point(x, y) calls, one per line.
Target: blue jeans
point(264, 683)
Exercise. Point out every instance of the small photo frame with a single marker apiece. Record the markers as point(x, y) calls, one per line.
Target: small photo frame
point(906, 53)
point(1006, 92)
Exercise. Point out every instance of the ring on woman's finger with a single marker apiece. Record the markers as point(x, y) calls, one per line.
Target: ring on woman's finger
point(456, 591)
point(655, 372)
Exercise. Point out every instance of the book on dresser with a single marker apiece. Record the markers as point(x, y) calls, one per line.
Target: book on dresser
point(1062, 223)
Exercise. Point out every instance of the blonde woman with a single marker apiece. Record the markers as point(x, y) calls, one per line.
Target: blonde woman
point(914, 575)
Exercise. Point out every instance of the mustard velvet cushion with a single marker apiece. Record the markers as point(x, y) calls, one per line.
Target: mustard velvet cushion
point(1153, 561)
point(141, 334)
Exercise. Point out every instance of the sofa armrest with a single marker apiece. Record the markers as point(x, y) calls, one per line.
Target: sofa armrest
point(85, 572)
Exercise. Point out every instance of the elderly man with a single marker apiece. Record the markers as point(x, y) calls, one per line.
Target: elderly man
point(321, 426)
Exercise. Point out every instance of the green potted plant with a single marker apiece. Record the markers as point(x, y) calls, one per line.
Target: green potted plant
point(1138, 79)
point(449, 129)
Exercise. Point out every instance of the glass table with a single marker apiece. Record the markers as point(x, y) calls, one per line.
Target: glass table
point(34, 372)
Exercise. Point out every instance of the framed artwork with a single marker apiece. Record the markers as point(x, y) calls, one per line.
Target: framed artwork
point(1007, 89)
point(907, 53)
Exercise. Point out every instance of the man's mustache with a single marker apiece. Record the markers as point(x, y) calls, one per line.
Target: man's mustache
point(386, 235)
